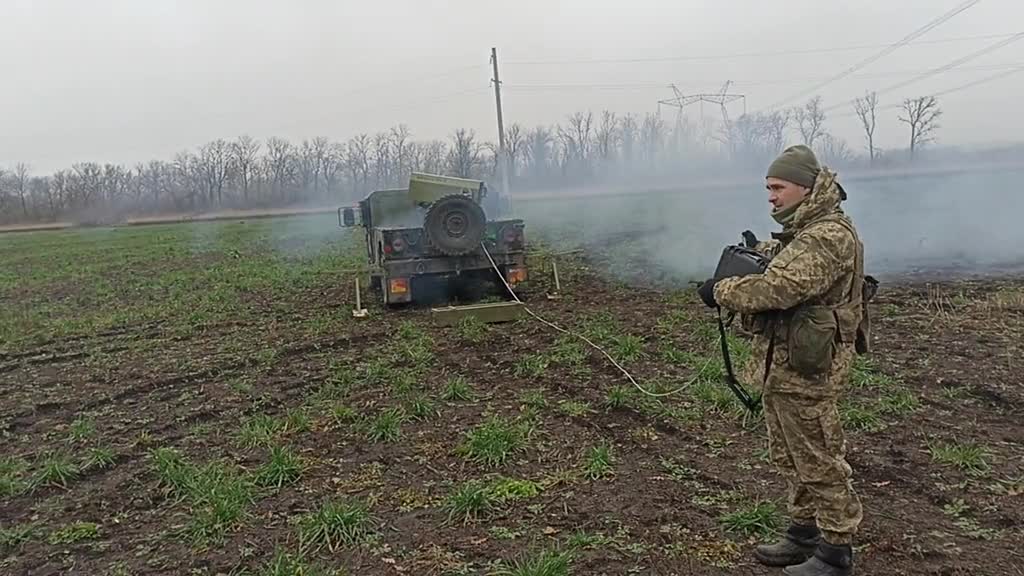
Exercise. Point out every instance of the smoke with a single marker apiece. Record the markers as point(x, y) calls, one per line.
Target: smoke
point(954, 223)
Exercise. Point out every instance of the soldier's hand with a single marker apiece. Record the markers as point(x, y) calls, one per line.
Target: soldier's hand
point(749, 239)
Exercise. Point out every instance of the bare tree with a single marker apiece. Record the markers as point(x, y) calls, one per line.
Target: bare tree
point(309, 165)
point(42, 192)
point(434, 156)
point(652, 134)
point(537, 151)
point(59, 190)
point(747, 137)
point(865, 108)
point(514, 147)
point(244, 153)
point(382, 159)
point(332, 162)
point(399, 136)
point(357, 159)
point(834, 151)
point(214, 166)
point(280, 164)
point(579, 134)
point(628, 134)
point(464, 155)
point(88, 183)
point(920, 114)
point(810, 119)
point(775, 130)
point(20, 181)
point(607, 136)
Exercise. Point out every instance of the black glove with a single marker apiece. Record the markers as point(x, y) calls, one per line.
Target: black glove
point(749, 239)
point(707, 293)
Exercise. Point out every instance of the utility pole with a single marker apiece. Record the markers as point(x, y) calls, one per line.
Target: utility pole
point(504, 199)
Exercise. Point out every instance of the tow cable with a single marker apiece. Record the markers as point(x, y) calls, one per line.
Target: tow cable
point(595, 346)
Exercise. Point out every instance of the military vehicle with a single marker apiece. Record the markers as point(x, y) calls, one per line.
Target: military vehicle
point(427, 238)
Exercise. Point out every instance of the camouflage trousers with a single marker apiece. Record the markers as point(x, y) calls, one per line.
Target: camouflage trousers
point(806, 443)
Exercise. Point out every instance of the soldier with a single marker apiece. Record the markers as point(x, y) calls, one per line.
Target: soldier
point(805, 312)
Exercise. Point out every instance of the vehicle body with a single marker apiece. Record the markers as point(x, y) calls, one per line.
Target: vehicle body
point(428, 236)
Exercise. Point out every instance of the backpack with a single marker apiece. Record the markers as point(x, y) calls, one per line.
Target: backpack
point(864, 289)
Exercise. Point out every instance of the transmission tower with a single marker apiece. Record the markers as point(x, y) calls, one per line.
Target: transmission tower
point(721, 98)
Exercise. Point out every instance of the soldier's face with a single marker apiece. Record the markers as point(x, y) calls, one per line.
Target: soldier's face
point(782, 193)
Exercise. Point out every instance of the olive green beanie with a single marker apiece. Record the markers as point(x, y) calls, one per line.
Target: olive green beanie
point(796, 164)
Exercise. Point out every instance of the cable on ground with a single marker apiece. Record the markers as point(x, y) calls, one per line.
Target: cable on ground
point(595, 346)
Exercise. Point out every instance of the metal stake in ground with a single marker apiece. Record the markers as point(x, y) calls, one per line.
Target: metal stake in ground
point(556, 295)
point(359, 311)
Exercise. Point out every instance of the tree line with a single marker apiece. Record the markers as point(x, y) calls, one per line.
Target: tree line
point(584, 149)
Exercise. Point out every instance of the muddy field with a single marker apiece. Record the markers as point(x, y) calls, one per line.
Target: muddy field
point(198, 399)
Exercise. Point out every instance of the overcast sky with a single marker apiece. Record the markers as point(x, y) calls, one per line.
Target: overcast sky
point(108, 81)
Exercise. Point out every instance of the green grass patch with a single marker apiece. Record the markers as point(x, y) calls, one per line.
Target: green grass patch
point(282, 468)
point(55, 469)
point(334, 525)
point(865, 374)
point(14, 537)
point(760, 519)
point(574, 408)
point(470, 501)
point(81, 429)
point(99, 458)
point(12, 476)
point(75, 532)
point(217, 493)
point(531, 366)
point(547, 562)
point(472, 329)
point(385, 426)
point(284, 563)
point(627, 348)
point(495, 441)
point(259, 430)
point(857, 416)
point(534, 399)
point(969, 457)
point(457, 389)
point(899, 402)
point(598, 462)
point(619, 397)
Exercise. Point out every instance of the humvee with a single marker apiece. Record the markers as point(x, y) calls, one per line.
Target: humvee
point(427, 239)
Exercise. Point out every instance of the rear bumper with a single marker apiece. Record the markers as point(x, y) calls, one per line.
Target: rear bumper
point(446, 266)
point(452, 265)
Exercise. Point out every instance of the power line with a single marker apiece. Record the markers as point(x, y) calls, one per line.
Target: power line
point(661, 85)
point(979, 81)
point(745, 54)
point(421, 78)
point(875, 57)
point(964, 86)
point(942, 68)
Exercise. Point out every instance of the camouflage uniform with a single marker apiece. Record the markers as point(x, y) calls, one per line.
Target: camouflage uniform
point(815, 262)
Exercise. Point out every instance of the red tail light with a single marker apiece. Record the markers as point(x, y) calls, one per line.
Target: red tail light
point(398, 244)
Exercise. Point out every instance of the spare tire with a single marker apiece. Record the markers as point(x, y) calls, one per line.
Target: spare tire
point(455, 225)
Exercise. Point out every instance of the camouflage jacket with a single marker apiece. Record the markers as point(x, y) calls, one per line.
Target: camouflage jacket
point(813, 270)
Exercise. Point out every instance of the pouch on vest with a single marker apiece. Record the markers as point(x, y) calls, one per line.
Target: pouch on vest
point(813, 331)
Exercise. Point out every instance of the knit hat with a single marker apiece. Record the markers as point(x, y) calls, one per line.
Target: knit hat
point(796, 164)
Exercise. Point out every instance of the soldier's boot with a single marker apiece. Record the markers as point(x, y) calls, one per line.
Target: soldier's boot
point(828, 560)
point(796, 546)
